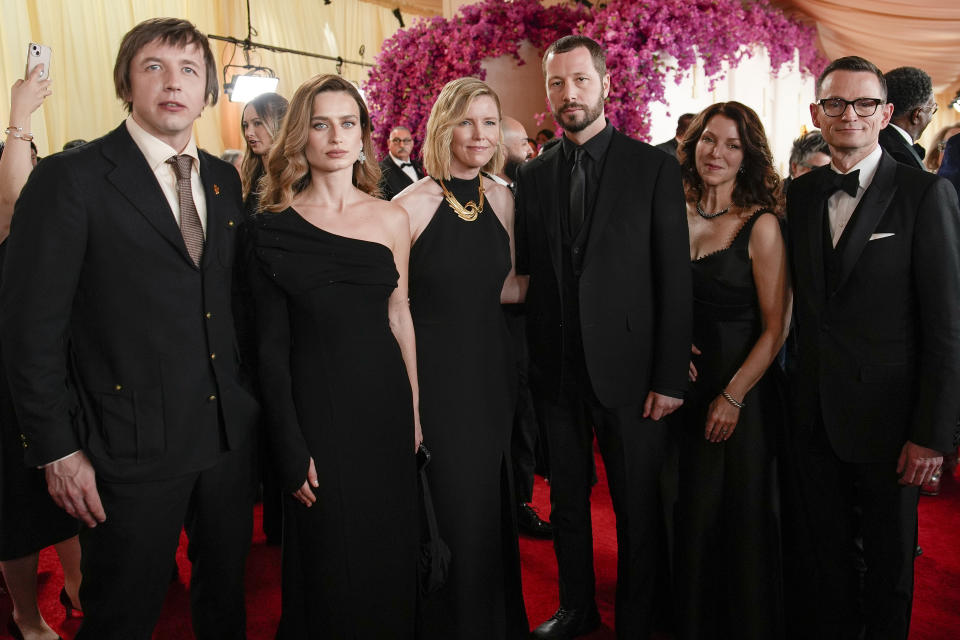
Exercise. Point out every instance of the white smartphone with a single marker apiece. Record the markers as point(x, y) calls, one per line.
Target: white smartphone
point(38, 54)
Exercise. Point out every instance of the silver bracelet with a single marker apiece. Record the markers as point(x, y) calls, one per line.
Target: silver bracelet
point(17, 132)
point(729, 398)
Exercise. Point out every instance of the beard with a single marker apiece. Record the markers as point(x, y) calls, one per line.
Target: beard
point(574, 123)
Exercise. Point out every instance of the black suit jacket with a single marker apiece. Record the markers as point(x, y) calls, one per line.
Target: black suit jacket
point(393, 180)
point(879, 355)
point(894, 144)
point(114, 341)
point(635, 288)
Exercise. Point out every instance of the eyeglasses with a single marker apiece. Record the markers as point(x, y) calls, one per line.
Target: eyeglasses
point(864, 107)
point(402, 140)
point(932, 108)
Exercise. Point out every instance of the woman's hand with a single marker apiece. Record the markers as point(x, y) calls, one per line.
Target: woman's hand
point(722, 418)
point(693, 369)
point(26, 96)
point(417, 435)
point(304, 494)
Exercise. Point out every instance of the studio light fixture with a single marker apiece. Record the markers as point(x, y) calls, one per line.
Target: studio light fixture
point(251, 82)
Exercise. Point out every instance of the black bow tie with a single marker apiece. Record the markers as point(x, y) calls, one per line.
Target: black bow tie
point(848, 182)
point(920, 151)
point(406, 164)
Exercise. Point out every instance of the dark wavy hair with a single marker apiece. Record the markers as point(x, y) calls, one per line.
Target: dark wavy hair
point(757, 182)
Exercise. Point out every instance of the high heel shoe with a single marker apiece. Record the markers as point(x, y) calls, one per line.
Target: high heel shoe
point(15, 632)
point(68, 604)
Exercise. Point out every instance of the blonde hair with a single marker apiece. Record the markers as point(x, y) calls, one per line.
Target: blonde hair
point(288, 172)
point(452, 104)
point(269, 107)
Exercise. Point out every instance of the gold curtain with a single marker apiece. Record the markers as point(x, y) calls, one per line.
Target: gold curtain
point(85, 36)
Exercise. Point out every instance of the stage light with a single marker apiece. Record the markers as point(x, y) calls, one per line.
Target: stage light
point(246, 88)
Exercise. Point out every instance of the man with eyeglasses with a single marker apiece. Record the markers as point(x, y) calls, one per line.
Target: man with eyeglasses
point(910, 90)
point(398, 169)
point(875, 257)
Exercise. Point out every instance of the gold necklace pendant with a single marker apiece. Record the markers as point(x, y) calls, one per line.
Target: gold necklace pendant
point(467, 212)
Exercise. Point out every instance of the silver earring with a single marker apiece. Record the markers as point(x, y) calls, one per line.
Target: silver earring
point(362, 157)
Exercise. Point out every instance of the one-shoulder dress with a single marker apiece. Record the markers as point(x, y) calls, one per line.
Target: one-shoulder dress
point(467, 394)
point(335, 388)
point(728, 543)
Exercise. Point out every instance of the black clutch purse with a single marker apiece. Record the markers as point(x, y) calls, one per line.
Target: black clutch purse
point(434, 561)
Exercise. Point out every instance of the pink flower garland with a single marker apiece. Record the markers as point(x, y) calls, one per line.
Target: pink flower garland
point(416, 62)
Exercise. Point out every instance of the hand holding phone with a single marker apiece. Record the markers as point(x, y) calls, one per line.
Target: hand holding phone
point(38, 54)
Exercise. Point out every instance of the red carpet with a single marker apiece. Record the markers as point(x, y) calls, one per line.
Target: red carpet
point(936, 610)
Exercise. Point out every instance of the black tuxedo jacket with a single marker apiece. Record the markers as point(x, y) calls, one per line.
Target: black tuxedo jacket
point(894, 144)
point(393, 180)
point(635, 288)
point(115, 343)
point(879, 352)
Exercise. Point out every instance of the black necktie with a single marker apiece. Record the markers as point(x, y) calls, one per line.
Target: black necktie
point(578, 189)
point(406, 164)
point(920, 151)
point(848, 182)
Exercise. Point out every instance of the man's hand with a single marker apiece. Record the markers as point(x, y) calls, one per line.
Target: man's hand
point(72, 484)
point(305, 494)
point(659, 406)
point(917, 464)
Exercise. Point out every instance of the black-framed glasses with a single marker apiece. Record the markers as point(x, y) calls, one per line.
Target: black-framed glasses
point(864, 107)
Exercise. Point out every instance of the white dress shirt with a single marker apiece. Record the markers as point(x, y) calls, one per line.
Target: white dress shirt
point(906, 136)
point(409, 170)
point(840, 206)
point(157, 152)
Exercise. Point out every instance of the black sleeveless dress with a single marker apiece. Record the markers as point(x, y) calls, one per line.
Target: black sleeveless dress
point(335, 388)
point(467, 394)
point(728, 545)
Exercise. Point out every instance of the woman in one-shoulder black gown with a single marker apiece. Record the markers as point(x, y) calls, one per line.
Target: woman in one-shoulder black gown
point(460, 271)
point(338, 374)
point(728, 542)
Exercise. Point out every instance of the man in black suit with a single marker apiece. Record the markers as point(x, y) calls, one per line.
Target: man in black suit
point(670, 146)
point(602, 233)
point(398, 169)
point(910, 91)
point(875, 253)
point(119, 336)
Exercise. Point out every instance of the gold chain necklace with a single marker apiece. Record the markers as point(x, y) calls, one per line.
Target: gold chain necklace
point(468, 212)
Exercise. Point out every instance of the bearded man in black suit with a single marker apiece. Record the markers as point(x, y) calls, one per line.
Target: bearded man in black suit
point(398, 170)
point(875, 257)
point(120, 346)
point(910, 91)
point(602, 233)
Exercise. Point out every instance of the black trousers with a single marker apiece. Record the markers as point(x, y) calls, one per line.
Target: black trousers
point(127, 559)
point(832, 595)
point(633, 450)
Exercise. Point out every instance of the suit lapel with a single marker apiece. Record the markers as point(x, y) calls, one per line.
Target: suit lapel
point(547, 180)
point(609, 192)
point(814, 223)
point(872, 206)
point(133, 178)
point(216, 215)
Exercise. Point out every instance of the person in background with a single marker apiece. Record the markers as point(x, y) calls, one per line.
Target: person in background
point(935, 156)
point(72, 144)
point(261, 121)
point(399, 169)
point(544, 136)
point(910, 91)
point(118, 336)
point(29, 519)
point(234, 157)
point(671, 145)
point(808, 152)
point(728, 542)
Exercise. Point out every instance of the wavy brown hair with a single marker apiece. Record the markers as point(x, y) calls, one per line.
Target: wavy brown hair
point(269, 107)
point(757, 182)
point(451, 105)
point(287, 170)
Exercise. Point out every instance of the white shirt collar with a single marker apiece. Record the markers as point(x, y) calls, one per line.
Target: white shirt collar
point(155, 150)
point(397, 161)
point(867, 167)
point(906, 136)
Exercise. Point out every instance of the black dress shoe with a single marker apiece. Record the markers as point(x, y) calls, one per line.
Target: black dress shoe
point(529, 523)
point(568, 623)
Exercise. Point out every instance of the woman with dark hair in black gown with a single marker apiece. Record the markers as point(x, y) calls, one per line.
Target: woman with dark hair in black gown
point(728, 543)
point(461, 269)
point(338, 373)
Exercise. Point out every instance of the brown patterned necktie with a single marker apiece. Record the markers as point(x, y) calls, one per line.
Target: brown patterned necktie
point(190, 225)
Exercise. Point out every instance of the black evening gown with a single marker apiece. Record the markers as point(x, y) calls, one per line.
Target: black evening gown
point(335, 388)
point(29, 518)
point(467, 393)
point(728, 545)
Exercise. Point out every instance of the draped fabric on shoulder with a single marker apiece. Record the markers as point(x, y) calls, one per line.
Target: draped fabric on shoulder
point(335, 389)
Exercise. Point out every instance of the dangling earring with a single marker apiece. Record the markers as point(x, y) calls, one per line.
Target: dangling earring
point(362, 157)
point(740, 170)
